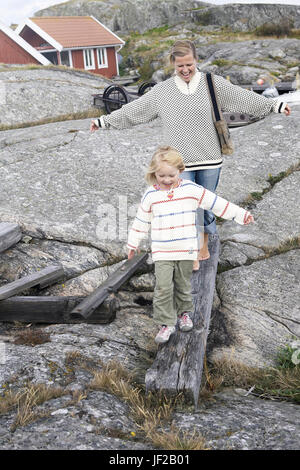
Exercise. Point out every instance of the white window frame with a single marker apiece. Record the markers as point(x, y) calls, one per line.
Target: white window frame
point(70, 57)
point(102, 58)
point(88, 59)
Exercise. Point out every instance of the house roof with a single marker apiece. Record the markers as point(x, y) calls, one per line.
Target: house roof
point(64, 32)
point(27, 47)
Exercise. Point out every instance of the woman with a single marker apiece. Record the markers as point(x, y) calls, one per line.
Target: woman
point(182, 102)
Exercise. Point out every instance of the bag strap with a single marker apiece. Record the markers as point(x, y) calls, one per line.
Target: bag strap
point(214, 100)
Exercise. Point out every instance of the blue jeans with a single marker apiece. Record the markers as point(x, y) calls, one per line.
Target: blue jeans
point(209, 179)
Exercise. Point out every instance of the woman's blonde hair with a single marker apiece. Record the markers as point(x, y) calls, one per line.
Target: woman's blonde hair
point(182, 48)
point(168, 155)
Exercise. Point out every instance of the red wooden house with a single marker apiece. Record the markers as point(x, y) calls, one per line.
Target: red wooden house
point(75, 41)
point(14, 50)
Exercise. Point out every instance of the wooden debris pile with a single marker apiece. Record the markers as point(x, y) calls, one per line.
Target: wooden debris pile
point(99, 307)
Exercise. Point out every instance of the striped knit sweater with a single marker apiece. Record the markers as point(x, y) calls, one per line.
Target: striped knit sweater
point(186, 115)
point(172, 220)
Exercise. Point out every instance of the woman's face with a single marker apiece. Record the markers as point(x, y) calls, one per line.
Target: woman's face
point(185, 67)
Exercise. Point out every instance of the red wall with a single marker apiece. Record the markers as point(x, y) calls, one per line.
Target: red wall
point(77, 58)
point(12, 53)
point(110, 71)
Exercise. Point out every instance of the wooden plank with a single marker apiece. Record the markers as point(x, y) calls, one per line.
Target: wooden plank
point(282, 87)
point(10, 234)
point(53, 309)
point(179, 363)
point(125, 80)
point(43, 278)
point(112, 284)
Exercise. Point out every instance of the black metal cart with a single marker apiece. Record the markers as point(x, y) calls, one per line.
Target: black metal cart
point(115, 96)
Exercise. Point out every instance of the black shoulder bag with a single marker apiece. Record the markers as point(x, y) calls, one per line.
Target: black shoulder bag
point(221, 126)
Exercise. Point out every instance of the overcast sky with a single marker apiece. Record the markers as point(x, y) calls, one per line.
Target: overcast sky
point(14, 11)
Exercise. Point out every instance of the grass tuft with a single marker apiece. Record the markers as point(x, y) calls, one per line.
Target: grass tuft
point(26, 400)
point(32, 337)
point(280, 383)
point(91, 113)
point(178, 440)
point(149, 411)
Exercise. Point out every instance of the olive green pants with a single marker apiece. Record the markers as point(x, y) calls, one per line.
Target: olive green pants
point(172, 293)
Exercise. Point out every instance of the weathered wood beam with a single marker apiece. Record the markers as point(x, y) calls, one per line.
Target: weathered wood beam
point(53, 309)
point(179, 363)
point(112, 284)
point(283, 87)
point(43, 278)
point(10, 234)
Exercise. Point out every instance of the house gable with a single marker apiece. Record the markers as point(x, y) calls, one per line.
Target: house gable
point(21, 29)
point(34, 39)
point(17, 51)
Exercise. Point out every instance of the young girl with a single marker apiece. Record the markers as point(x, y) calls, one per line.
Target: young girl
point(169, 207)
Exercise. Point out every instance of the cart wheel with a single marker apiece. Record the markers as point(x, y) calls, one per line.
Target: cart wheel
point(146, 86)
point(114, 97)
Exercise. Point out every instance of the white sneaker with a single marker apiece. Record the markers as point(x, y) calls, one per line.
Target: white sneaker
point(164, 334)
point(185, 322)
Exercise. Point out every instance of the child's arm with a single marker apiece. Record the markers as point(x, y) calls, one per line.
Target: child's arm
point(140, 228)
point(223, 208)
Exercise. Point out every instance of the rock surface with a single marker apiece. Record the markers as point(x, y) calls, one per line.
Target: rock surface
point(247, 17)
point(246, 61)
point(236, 421)
point(64, 187)
point(62, 92)
point(142, 15)
point(126, 16)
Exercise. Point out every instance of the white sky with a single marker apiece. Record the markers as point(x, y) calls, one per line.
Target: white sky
point(15, 11)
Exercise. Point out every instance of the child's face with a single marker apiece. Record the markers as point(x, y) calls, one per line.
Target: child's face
point(167, 175)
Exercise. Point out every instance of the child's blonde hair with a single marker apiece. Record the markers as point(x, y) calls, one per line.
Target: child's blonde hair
point(167, 154)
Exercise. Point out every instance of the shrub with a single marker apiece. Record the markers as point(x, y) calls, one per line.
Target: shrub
point(286, 356)
point(145, 70)
point(205, 18)
point(275, 29)
point(221, 62)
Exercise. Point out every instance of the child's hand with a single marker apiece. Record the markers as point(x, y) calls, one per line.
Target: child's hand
point(249, 220)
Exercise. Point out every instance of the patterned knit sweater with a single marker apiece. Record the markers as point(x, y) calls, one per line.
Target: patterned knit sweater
point(172, 219)
point(186, 115)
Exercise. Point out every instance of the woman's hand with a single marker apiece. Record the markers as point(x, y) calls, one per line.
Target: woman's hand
point(93, 126)
point(249, 220)
point(287, 110)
